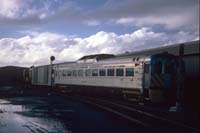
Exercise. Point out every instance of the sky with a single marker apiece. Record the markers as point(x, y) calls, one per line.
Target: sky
point(33, 30)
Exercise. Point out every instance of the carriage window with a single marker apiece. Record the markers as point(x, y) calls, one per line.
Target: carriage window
point(88, 72)
point(110, 72)
point(60, 73)
point(129, 72)
point(169, 67)
point(57, 73)
point(74, 72)
point(69, 73)
point(119, 72)
point(102, 72)
point(158, 67)
point(146, 68)
point(80, 72)
point(64, 73)
point(95, 72)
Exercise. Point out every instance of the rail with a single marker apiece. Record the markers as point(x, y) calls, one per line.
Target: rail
point(141, 118)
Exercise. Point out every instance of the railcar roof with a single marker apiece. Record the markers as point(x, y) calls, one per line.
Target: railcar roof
point(97, 56)
point(125, 59)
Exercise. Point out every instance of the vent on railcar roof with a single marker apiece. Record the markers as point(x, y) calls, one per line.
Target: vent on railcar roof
point(95, 57)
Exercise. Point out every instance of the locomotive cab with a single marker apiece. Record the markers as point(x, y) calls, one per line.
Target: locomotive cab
point(163, 81)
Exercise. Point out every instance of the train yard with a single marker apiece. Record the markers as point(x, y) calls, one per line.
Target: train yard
point(147, 91)
point(57, 114)
point(144, 116)
point(59, 109)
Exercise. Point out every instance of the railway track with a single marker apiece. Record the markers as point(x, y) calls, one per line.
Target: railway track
point(144, 120)
point(147, 120)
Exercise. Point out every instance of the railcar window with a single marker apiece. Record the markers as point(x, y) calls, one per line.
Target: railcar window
point(74, 73)
point(169, 67)
point(69, 73)
point(110, 72)
point(88, 72)
point(64, 73)
point(56, 73)
point(102, 72)
point(80, 72)
point(60, 73)
point(94, 72)
point(146, 68)
point(158, 67)
point(129, 72)
point(119, 72)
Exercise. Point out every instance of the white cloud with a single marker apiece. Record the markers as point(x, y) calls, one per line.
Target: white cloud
point(171, 22)
point(10, 8)
point(43, 16)
point(38, 47)
point(171, 14)
point(18, 9)
point(128, 20)
point(92, 22)
point(25, 10)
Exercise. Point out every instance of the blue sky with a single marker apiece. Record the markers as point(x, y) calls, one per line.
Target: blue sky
point(33, 30)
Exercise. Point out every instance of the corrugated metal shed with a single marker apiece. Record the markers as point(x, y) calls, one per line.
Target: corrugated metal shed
point(189, 48)
point(191, 55)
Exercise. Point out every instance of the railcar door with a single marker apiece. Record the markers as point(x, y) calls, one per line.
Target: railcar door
point(146, 79)
point(169, 80)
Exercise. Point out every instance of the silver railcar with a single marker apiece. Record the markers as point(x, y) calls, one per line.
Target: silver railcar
point(135, 77)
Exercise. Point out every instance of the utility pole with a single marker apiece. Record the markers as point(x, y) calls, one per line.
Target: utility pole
point(180, 81)
point(52, 58)
point(181, 75)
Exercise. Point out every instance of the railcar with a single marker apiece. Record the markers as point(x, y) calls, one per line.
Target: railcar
point(41, 75)
point(150, 77)
point(163, 77)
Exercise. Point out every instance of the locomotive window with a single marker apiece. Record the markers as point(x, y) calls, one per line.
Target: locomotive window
point(95, 72)
point(80, 72)
point(102, 72)
point(88, 72)
point(129, 72)
point(74, 72)
point(110, 72)
point(119, 72)
point(146, 68)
